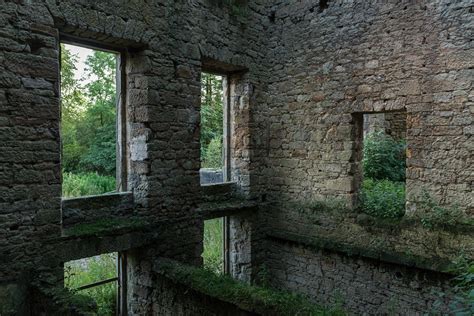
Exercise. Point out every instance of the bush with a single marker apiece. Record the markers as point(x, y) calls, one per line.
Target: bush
point(384, 158)
point(383, 198)
point(75, 185)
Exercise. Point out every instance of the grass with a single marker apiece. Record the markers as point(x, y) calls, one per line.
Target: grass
point(262, 300)
point(89, 270)
point(213, 245)
point(76, 185)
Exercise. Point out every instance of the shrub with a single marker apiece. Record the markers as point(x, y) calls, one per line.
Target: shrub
point(383, 198)
point(75, 185)
point(384, 158)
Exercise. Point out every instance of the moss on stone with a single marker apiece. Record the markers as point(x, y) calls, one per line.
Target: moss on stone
point(61, 300)
point(104, 226)
point(261, 300)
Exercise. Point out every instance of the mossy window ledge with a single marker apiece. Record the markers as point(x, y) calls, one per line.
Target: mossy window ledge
point(104, 226)
point(256, 299)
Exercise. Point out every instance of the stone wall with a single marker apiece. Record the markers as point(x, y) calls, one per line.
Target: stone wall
point(328, 66)
point(360, 285)
point(365, 57)
point(97, 208)
point(301, 75)
point(164, 44)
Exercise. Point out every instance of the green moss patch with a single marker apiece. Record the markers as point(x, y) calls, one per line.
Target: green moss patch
point(104, 226)
point(261, 300)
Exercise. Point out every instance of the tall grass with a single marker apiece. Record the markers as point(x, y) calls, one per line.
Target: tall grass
point(89, 270)
point(75, 185)
point(213, 254)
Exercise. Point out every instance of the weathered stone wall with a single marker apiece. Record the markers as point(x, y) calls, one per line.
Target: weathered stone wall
point(361, 286)
point(327, 67)
point(391, 123)
point(164, 43)
point(312, 71)
point(93, 208)
point(366, 56)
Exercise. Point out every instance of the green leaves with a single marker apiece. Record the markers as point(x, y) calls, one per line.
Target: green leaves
point(383, 198)
point(212, 124)
point(88, 127)
point(384, 158)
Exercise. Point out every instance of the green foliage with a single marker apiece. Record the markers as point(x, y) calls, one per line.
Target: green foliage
point(86, 271)
point(384, 158)
point(432, 215)
point(88, 123)
point(462, 292)
point(262, 300)
point(463, 303)
point(213, 245)
point(383, 198)
point(211, 120)
point(213, 157)
point(263, 276)
point(75, 185)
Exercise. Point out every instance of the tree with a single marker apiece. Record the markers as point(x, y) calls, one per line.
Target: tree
point(211, 119)
point(88, 127)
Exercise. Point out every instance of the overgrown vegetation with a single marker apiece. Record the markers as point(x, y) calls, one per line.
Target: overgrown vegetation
point(463, 303)
point(82, 184)
point(383, 198)
point(213, 245)
point(432, 215)
point(88, 131)
point(211, 121)
point(383, 190)
point(86, 271)
point(259, 299)
point(462, 292)
point(384, 158)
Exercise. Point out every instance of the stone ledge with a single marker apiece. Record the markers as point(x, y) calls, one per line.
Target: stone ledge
point(210, 210)
point(252, 299)
point(435, 264)
point(92, 208)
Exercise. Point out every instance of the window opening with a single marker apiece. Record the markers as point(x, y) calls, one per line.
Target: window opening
point(89, 94)
point(214, 125)
point(382, 193)
point(215, 251)
point(97, 278)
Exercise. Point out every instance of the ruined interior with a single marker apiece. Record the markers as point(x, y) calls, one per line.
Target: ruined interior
point(303, 82)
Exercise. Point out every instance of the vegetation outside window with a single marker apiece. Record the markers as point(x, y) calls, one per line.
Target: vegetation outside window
point(88, 121)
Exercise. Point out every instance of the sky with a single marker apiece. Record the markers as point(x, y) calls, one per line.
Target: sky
point(81, 53)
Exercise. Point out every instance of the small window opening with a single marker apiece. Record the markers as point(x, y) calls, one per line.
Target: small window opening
point(97, 278)
point(213, 137)
point(89, 96)
point(382, 193)
point(215, 251)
